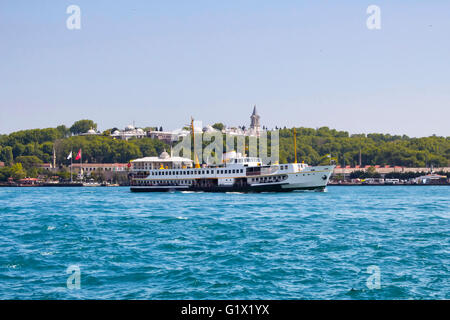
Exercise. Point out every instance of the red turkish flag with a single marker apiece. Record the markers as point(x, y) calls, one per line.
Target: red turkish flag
point(78, 157)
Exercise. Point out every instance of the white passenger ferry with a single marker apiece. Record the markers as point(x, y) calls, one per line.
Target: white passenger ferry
point(237, 174)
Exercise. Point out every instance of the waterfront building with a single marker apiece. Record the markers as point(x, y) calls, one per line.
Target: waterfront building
point(129, 132)
point(164, 161)
point(90, 132)
point(108, 171)
point(235, 131)
point(28, 181)
point(431, 179)
point(166, 136)
point(98, 167)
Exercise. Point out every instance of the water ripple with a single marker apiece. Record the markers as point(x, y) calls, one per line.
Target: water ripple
point(225, 246)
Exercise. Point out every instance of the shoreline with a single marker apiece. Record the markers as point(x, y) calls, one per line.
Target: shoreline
point(329, 185)
point(383, 185)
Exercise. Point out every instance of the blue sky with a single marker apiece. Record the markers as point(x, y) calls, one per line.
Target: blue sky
point(303, 63)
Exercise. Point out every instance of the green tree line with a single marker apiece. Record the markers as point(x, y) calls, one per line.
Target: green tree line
point(313, 147)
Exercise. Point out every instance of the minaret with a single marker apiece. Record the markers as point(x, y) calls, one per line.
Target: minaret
point(254, 122)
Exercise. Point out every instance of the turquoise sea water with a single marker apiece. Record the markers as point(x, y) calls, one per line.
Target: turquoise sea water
point(305, 245)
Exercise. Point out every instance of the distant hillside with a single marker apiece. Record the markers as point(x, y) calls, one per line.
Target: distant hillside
point(383, 149)
point(313, 146)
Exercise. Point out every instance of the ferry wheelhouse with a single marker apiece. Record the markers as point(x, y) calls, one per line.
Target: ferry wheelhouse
point(237, 174)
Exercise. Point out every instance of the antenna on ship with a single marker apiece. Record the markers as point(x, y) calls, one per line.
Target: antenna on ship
point(295, 145)
point(193, 136)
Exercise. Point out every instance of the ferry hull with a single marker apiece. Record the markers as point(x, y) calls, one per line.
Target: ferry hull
point(246, 189)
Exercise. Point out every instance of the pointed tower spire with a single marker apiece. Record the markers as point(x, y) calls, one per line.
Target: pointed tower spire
point(255, 127)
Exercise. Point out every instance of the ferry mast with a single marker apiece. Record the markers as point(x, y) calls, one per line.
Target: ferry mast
point(195, 158)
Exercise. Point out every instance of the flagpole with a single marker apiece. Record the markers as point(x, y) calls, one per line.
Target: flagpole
point(81, 164)
point(71, 165)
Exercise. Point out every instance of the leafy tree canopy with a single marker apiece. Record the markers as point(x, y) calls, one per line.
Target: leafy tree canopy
point(313, 146)
point(219, 126)
point(82, 126)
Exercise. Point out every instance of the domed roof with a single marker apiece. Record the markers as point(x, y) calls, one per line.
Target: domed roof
point(140, 130)
point(164, 155)
point(91, 131)
point(116, 132)
point(209, 128)
point(129, 128)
